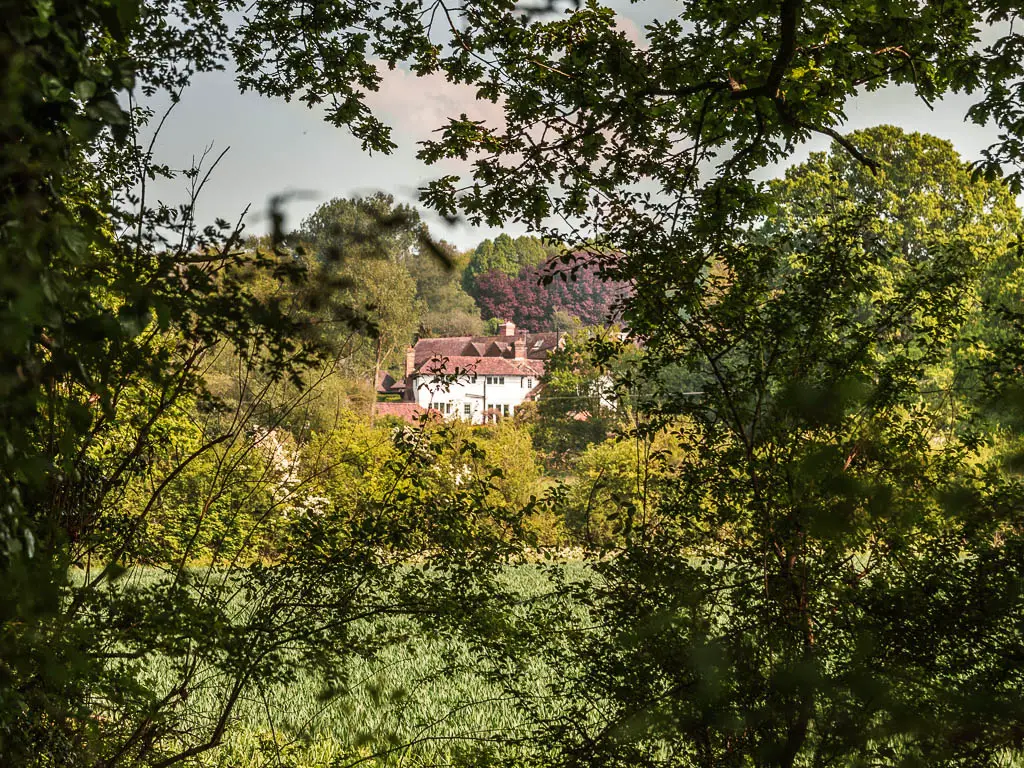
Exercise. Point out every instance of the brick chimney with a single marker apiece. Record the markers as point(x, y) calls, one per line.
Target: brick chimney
point(507, 328)
point(410, 361)
point(519, 348)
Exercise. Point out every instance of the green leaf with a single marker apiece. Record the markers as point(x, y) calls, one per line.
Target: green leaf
point(85, 89)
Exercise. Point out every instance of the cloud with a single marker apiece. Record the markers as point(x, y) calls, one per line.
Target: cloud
point(629, 28)
point(419, 105)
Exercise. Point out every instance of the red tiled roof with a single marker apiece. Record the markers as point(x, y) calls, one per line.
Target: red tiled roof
point(408, 412)
point(386, 384)
point(538, 346)
point(482, 366)
point(452, 345)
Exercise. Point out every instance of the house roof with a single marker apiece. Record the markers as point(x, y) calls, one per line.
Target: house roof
point(386, 384)
point(408, 412)
point(481, 366)
point(538, 346)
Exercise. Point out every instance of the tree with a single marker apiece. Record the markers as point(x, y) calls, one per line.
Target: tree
point(506, 256)
point(922, 189)
point(375, 227)
point(604, 499)
point(449, 310)
point(609, 138)
point(751, 79)
point(453, 322)
point(110, 305)
point(802, 590)
point(535, 295)
point(384, 291)
point(578, 402)
point(521, 299)
point(925, 198)
point(361, 248)
point(381, 260)
point(817, 580)
point(508, 447)
point(369, 227)
point(116, 453)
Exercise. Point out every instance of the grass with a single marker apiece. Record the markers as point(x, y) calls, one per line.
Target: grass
point(417, 703)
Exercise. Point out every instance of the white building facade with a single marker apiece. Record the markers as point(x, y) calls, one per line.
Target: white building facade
point(477, 378)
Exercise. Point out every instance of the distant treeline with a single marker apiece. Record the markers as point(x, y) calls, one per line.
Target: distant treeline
point(391, 281)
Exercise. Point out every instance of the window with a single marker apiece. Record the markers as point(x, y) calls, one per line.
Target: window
point(495, 379)
point(467, 409)
point(527, 383)
point(504, 409)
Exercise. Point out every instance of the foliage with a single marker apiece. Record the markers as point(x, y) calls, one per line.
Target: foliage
point(370, 227)
point(110, 305)
point(752, 79)
point(115, 452)
point(449, 310)
point(537, 297)
point(925, 198)
point(358, 249)
point(453, 322)
point(508, 447)
point(456, 313)
point(506, 255)
point(817, 581)
point(390, 280)
point(578, 404)
point(834, 572)
point(45, 241)
point(608, 489)
point(921, 189)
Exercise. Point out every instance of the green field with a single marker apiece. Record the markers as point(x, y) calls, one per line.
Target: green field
point(417, 702)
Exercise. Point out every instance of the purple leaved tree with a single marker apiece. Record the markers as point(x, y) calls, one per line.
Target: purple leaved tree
point(531, 298)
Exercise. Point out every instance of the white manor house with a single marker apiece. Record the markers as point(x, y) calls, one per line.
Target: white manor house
point(475, 378)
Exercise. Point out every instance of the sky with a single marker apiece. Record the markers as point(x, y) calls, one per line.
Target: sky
point(275, 147)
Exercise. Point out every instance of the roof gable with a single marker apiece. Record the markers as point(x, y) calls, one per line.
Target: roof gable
point(386, 384)
point(538, 347)
point(464, 365)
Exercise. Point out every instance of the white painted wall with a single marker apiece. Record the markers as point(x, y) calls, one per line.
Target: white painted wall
point(452, 398)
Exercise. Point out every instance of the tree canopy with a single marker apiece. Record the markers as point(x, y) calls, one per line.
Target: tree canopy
point(825, 569)
point(536, 297)
point(808, 579)
point(506, 256)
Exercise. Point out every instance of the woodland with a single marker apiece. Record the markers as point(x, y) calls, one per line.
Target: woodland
point(768, 511)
